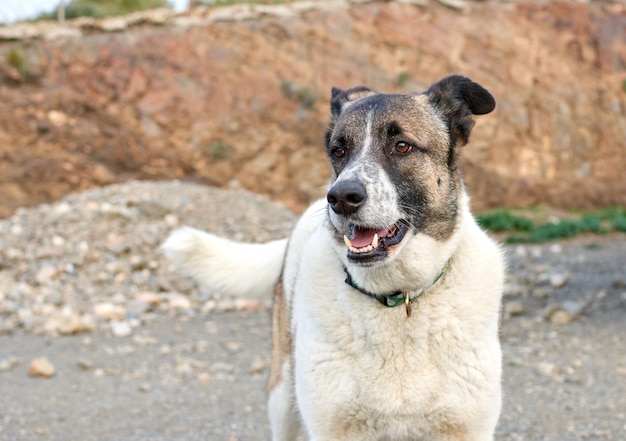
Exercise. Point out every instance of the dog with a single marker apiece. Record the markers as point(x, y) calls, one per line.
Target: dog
point(387, 293)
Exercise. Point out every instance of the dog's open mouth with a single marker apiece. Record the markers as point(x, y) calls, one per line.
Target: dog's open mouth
point(372, 243)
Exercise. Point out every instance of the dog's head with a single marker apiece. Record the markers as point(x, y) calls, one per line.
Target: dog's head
point(395, 164)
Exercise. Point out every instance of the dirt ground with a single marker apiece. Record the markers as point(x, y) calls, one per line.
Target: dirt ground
point(198, 372)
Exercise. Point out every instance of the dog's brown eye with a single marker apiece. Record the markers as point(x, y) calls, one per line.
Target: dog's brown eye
point(338, 152)
point(403, 147)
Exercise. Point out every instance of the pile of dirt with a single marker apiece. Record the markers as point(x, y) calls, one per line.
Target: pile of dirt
point(91, 262)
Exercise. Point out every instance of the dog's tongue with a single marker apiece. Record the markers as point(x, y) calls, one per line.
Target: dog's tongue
point(362, 237)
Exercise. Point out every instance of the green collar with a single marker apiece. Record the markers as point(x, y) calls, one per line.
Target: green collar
point(398, 297)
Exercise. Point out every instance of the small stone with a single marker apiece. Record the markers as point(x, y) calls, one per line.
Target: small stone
point(121, 328)
point(548, 369)
point(57, 241)
point(117, 244)
point(567, 311)
point(150, 298)
point(458, 5)
point(85, 365)
point(7, 364)
point(257, 366)
point(57, 118)
point(515, 308)
point(45, 273)
point(558, 280)
point(209, 306)
point(184, 368)
point(540, 293)
point(560, 317)
point(112, 24)
point(178, 301)
point(248, 304)
point(204, 378)
point(41, 367)
point(619, 282)
point(16, 229)
point(415, 2)
point(70, 322)
point(145, 387)
point(136, 262)
point(171, 220)
point(231, 346)
point(514, 290)
point(109, 311)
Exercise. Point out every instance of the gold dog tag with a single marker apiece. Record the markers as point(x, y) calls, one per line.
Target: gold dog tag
point(407, 303)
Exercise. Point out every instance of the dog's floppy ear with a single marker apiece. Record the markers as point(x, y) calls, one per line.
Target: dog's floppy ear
point(340, 99)
point(458, 98)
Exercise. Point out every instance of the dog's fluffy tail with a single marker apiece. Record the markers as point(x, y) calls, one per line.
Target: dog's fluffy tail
point(231, 268)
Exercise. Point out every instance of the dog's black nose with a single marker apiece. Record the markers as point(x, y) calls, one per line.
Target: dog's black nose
point(346, 197)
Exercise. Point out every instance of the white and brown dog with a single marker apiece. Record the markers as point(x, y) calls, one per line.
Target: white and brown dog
point(387, 293)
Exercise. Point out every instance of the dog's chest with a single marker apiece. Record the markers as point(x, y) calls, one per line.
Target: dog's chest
point(383, 373)
point(364, 368)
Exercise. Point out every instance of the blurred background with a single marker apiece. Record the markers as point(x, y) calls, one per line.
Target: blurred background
point(160, 95)
point(235, 95)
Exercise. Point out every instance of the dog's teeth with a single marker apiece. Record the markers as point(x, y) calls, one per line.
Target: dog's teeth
point(365, 249)
point(347, 241)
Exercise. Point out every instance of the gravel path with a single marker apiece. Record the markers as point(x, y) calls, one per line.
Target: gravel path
point(101, 339)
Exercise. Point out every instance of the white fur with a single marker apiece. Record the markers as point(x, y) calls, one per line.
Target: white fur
point(230, 268)
point(281, 406)
point(390, 376)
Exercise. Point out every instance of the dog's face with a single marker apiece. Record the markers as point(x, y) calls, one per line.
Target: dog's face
point(395, 164)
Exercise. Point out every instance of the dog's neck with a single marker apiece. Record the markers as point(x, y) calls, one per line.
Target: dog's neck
point(397, 297)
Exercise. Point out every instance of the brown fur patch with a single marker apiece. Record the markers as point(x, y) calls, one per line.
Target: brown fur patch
point(281, 337)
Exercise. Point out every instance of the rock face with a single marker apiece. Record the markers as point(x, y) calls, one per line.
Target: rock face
point(214, 98)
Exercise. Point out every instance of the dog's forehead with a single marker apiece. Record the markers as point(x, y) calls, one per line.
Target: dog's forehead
point(411, 111)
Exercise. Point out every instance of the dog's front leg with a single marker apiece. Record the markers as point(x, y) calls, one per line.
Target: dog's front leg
point(283, 417)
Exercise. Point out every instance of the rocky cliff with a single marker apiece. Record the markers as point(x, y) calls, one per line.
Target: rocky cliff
point(238, 96)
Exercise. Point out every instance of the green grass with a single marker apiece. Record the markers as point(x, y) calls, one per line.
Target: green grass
point(524, 230)
point(503, 220)
point(16, 59)
point(305, 96)
point(104, 8)
point(219, 150)
point(402, 78)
